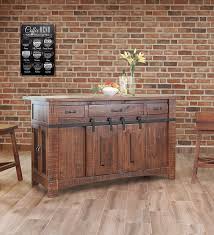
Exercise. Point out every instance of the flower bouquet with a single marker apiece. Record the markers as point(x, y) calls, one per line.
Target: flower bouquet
point(133, 58)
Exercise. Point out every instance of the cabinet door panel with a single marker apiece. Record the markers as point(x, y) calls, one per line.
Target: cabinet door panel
point(35, 152)
point(101, 150)
point(132, 148)
point(39, 149)
point(71, 152)
point(43, 137)
point(156, 145)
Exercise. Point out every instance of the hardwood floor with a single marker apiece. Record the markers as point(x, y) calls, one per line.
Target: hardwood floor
point(140, 206)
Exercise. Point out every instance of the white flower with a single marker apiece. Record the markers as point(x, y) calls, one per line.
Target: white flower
point(133, 57)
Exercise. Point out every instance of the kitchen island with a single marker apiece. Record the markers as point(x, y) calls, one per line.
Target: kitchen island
point(81, 139)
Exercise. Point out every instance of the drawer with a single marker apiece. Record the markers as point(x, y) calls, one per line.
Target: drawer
point(116, 110)
point(157, 108)
point(70, 111)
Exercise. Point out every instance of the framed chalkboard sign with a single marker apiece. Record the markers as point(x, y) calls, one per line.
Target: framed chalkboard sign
point(37, 49)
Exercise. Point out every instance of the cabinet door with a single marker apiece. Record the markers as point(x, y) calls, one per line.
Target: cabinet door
point(71, 152)
point(43, 138)
point(35, 152)
point(156, 145)
point(131, 148)
point(101, 150)
point(39, 149)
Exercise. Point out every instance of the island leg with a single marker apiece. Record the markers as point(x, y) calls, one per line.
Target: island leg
point(52, 162)
point(172, 141)
point(52, 191)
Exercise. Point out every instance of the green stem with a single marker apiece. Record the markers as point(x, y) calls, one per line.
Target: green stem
point(132, 69)
point(132, 80)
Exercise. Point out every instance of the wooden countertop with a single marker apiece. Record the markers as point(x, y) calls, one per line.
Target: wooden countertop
point(93, 97)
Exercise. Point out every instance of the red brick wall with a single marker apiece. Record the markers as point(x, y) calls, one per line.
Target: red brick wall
point(176, 36)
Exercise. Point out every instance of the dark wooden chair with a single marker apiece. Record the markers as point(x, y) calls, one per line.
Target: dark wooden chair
point(204, 125)
point(10, 129)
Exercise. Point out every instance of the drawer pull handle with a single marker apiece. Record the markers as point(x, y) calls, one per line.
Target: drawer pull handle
point(70, 111)
point(157, 108)
point(92, 121)
point(123, 121)
point(116, 110)
point(38, 149)
point(110, 123)
point(139, 121)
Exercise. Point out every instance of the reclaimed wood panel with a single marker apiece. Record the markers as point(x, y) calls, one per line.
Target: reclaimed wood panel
point(71, 152)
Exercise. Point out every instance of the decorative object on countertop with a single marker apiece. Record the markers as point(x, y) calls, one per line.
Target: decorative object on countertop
point(110, 91)
point(133, 57)
point(123, 83)
point(108, 88)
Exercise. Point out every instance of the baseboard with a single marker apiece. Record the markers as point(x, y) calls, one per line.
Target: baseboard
point(21, 147)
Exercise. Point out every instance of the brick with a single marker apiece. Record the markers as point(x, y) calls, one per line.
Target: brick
point(11, 118)
point(193, 109)
point(161, 86)
point(195, 1)
point(80, 12)
point(180, 1)
point(174, 13)
point(34, 84)
point(170, 63)
point(199, 63)
point(163, 41)
point(192, 18)
point(5, 107)
point(5, 18)
point(184, 52)
point(199, 30)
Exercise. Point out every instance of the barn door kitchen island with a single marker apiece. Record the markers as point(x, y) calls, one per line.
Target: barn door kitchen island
point(82, 139)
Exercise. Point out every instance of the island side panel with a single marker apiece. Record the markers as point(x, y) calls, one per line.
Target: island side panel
point(44, 148)
point(39, 118)
point(53, 161)
point(172, 139)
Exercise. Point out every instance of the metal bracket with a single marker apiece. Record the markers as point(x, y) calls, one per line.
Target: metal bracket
point(101, 123)
point(122, 119)
point(110, 123)
point(139, 121)
point(92, 121)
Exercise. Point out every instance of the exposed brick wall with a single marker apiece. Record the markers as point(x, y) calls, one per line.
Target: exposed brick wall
point(177, 37)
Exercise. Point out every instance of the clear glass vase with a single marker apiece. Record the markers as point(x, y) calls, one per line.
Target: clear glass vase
point(123, 84)
point(131, 85)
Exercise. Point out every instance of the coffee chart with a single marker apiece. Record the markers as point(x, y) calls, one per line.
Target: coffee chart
point(37, 49)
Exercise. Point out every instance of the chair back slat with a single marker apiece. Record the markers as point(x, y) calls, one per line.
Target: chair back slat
point(205, 121)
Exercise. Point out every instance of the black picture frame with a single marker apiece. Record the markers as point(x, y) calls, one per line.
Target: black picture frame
point(37, 49)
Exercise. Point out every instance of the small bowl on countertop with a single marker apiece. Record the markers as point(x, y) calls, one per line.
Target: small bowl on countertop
point(110, 91)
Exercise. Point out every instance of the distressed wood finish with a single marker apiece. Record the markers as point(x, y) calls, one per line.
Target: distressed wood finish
point(79, 140)
point(156, 145)
point(132, 148)
point(101, 151)
point(204, 125)
point(73, 153)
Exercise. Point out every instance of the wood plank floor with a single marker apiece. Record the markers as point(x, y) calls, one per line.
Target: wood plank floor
point(140, 206)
